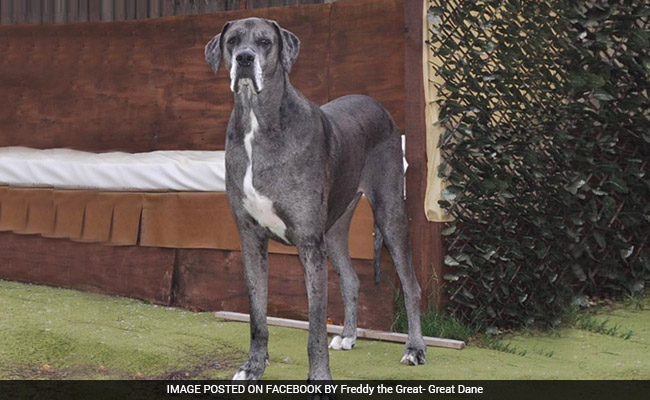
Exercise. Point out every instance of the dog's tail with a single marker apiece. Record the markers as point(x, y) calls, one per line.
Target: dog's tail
point(378, 243)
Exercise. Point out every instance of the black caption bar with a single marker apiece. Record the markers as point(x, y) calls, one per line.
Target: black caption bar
point(289, 390)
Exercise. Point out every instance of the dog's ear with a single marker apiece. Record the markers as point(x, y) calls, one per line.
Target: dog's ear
point(289, 46)
point(213, 49)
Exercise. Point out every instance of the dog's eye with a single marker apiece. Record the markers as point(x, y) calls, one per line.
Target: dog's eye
point(231, 40)
point(265, 42)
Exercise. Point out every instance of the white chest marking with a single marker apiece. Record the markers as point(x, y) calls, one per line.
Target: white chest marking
point(259, 206)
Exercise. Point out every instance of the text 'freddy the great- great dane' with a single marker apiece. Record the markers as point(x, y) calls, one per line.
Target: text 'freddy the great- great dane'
point(295, 173)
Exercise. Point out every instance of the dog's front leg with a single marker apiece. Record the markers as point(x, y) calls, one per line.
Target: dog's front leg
point(255, 254)
point(312, 255)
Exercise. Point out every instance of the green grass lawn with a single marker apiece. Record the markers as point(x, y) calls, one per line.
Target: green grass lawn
point(65, 334)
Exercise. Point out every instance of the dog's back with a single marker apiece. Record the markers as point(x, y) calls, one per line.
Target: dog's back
point(357, 125)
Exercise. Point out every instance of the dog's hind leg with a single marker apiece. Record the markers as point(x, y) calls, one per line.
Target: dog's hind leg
point(336, 241)
point(382, 182)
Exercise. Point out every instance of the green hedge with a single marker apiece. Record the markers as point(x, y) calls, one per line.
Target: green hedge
point(546, 147)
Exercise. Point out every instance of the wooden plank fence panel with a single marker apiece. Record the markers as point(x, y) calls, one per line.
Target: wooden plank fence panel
point(167, 8)
point(155, 8)
point(119, 10)
point(47, 12)
point(144, 273)
point(5, 12)
point(83, 10)
point(71, 11)
point(18, 11)
point(33, 11)
point(214, 280)
point(129, 9)
point(59, 11)
point(106, 13)
point(368, 25)
point(164, 93)
point(95, 10)
point(141, 9)
point(252, 4)
point(165, 97)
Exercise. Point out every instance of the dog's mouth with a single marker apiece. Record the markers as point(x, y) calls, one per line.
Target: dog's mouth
point(245, 83)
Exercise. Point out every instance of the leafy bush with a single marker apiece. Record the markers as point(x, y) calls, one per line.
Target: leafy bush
point(546, 153)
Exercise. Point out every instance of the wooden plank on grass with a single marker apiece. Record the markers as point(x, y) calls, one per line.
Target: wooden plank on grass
point(361, 333)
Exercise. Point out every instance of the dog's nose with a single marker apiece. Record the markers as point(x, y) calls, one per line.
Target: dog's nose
point(245, 59)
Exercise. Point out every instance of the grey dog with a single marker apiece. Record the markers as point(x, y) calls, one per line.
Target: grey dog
point(295, 173)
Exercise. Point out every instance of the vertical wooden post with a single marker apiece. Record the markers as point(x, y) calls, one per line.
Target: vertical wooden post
point(425, 236)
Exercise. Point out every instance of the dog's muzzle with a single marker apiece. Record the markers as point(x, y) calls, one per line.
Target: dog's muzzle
point(246, 70)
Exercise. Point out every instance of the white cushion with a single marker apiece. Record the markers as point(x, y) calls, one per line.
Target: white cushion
point(114, 171)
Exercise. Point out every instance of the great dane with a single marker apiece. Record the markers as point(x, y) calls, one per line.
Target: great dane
point(295, 173)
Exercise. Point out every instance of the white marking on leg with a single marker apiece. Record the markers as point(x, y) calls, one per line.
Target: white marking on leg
point(259, 206)
point(409, 359)
point(342, 343)
point(335, 344)
point(240, 376)
point(348, 343)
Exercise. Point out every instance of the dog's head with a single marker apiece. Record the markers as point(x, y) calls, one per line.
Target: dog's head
point(252, 50)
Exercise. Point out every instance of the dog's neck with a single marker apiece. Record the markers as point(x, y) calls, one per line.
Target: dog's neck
point(265, 105)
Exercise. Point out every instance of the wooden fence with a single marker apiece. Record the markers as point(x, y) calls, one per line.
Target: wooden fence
point(79, 61)
point(68, 11)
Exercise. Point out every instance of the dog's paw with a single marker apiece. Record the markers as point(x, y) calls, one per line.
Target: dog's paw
point(245, 373)
point(252, 370)
point(342, 342)
point(241, 375)
point(414, 356)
